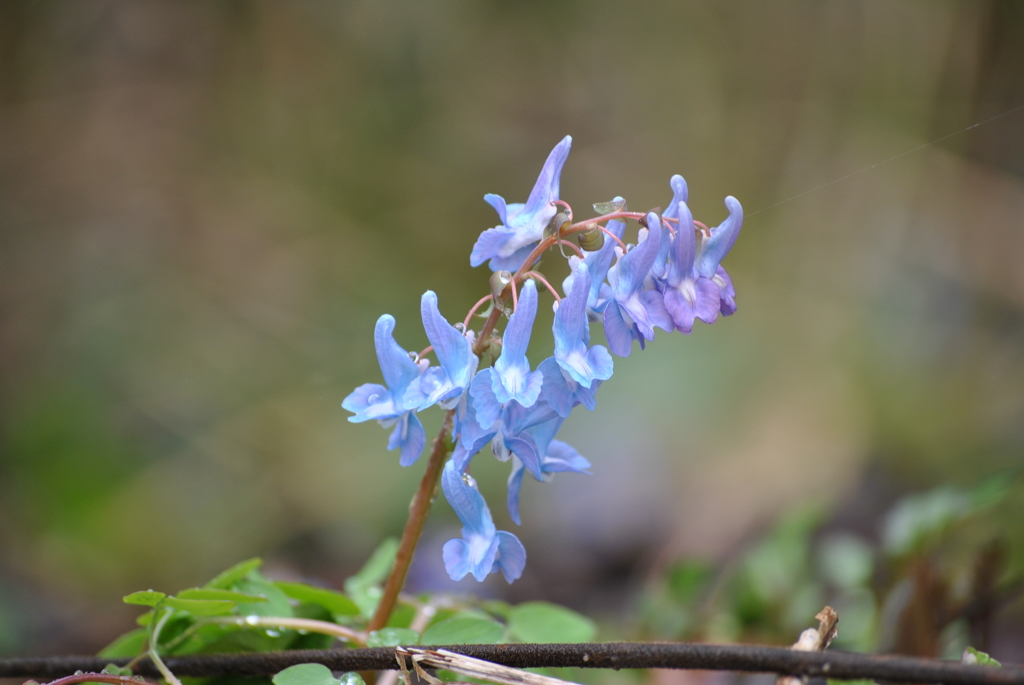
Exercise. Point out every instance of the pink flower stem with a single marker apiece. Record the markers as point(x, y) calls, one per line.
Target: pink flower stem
point(480, 303)
point(537, 276)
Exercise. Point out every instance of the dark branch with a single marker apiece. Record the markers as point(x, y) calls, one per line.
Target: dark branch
point(616, 655)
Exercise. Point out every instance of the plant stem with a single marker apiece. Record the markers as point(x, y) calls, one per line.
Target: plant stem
point(98, 678)
point(307, 624)
point(154, 657)
point(418, 510)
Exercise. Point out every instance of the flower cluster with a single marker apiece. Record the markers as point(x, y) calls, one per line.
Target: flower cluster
point(668, 279)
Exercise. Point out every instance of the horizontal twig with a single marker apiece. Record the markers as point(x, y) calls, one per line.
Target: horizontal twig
point(615, 655)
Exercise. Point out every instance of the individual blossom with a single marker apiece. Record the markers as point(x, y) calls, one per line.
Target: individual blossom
point(555, 456)
point(444, 384)
point(482, 549)
point(510, 378)
point(571, 330)
point(561, 393)
point(385, 403)
point(633, 312)
point(714, 248)
point(507, 246)
point(688, 295)
point(726, 291)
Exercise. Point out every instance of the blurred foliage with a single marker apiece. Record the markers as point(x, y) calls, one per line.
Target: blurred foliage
point(941, 567)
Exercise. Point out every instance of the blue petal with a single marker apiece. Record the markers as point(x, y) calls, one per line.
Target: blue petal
point(514, 260)
point(410, 436)
point(685, 247)
point(485, 404)
point(498, 202)
point(472, 437)
point(512, 378)
point(619, 333)
point(563, 458)
point(714, 249)
point(398, 368)
point(546, 188)
point(524, 447)
point(511, 558)
point(453, 351)
point(515, 484)
point(468, 503)
point(726, 291)
point(370, 401)
point(555, 391)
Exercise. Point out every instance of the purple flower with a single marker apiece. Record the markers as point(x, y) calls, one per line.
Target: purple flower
point(634, 312)
point(680, 193)
point(688, 295)
point(726, 290)
point(572, 334)
point(445, 384)
point(384, 404)
point(507, 246)
point(482, 549)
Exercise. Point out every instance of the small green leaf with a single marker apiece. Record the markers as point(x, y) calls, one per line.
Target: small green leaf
point(376, 568)
point(225, 579)
point(210, 593)
point(366, 598)
point(305, 674)
point(145, 619)
point(200, 607)
point(392, 637)
point(463, 630)
point(334, 602)
point(980, 658)
point(544, 622)
point(145, 598)
point(129, 644)
point(114, 669)
point(273, 602)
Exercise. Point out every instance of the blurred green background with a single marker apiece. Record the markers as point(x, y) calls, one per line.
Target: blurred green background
point(204, 207)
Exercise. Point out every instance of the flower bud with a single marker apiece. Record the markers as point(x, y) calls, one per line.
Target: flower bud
point(591, 239)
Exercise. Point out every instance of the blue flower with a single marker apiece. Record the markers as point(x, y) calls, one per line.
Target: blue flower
point(634, 312)
point(726, 290)
point(510, 378)
point(561, 393)
point(507, 246)
point(555, 456)
point(445, 384)
point(384, 404)
point(714, 248)
point(688, 295)
point(572, 334)
point(482, 549)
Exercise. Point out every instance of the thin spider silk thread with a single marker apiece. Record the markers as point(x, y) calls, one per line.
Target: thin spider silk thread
point(886, 161)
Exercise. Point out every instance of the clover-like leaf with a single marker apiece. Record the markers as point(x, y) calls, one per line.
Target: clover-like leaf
point(545, 622)
point(334, 602)
point(305, 674)
point(146, 598)
point(226, 579)
point(463, 630)
point(201, 607)
point(211, 593)
point(128, 645)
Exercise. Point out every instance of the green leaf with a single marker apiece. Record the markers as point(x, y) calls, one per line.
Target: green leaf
point(225, 579)
point(352, 678)
point(376, 568)
point(129, 644)
point(366, 599)
point(980, 657)
point(392, 637)
point(227, 595)
point(145, 619)
point(334, 602)
point(145, 598)
point(544, 622)
point(114, 669)
point(463, 630)
point(273, 602)
point(200, 607)
point(305, 674)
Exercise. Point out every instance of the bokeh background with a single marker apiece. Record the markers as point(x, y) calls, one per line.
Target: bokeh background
point(204, 207)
